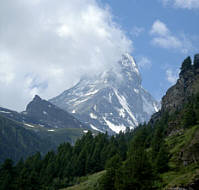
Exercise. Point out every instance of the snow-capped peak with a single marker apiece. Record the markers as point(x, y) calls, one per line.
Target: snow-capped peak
point(127, 60)
point(110, 101)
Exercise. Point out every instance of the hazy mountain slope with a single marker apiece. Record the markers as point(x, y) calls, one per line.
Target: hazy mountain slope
point(17, 142)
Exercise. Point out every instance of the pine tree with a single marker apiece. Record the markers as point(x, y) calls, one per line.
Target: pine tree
point(157, 140)
point(196, 61)
point(162, 159)
point(136, 173)
point(107, 182)
point(186, 64)
point(189, 117)
point(7, 175)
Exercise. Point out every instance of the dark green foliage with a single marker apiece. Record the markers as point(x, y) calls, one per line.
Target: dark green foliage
point(136, 172)
point(189, 118)
point(196, 107)
point(186, 64)
point(7, 175)
point(196, 61)
point(17, 142)
point(162, 159)
point(107, 182)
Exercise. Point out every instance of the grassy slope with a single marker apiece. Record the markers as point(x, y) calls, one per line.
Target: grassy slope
point(87, 183)
point(180, 175)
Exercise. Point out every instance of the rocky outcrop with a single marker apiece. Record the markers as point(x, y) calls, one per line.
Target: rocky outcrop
point(179, 94)
point(49, 115)
point(187, 85)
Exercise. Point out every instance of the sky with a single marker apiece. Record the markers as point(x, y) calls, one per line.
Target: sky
point(47, 46)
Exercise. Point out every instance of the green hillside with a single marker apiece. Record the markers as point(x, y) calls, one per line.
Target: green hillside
point(184, 169)
point(17, 142)
point(88, 182)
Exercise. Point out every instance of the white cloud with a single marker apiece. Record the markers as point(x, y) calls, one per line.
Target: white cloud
point(184, 4)
point(159, 28)
point(46, 46)
point(162, 37)
point(171, 76)
point(144, 62)
point(167, 42)
point(136, 31)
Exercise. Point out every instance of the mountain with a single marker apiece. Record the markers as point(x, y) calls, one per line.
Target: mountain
point(46, 114)
point(110, 101)
point(42, 127)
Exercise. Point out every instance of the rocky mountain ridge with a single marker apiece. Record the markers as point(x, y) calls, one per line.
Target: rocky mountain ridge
point(41, 128)
point(49, 115)
point(186, 86)
point(43, 113)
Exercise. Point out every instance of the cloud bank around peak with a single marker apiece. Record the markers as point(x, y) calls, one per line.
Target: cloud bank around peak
point(46, 46)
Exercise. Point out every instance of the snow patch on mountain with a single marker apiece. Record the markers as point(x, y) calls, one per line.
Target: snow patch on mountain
point(136, 90)
point(29, 125)
point(114, 127)
point(45, 113)
point(95, 128)
point(4, 111)
point(51, 130)
point(91, 93)
point(122, 112)
point(93, 116)
point(125, 105)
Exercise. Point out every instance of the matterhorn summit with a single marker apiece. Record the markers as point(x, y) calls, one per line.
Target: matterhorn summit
point(111, 101)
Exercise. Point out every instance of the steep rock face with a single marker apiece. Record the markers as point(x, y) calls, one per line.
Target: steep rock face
point(44, 113)
point(110, 101)
point(186, 86)
point(178, 98)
